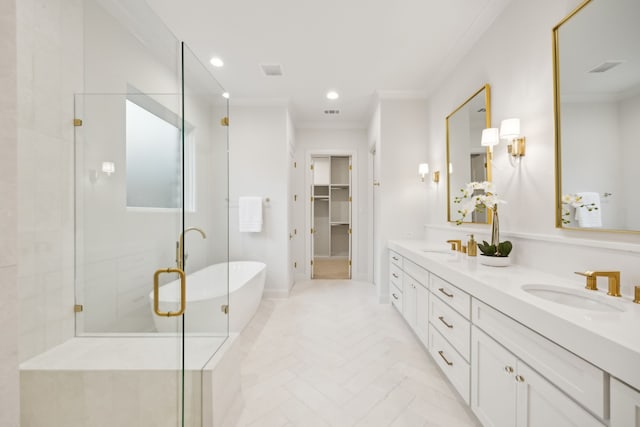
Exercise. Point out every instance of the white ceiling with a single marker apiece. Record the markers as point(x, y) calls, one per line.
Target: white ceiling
point(356, 47)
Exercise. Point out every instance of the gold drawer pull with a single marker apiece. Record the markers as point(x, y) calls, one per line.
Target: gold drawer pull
point(183, 292)
point(508, 369)
point(395, 296)
point(520, 378)
point(444, 358)
point(445, 323)
point(445, 292)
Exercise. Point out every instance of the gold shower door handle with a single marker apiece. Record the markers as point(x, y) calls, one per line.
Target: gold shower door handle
point(183, 292)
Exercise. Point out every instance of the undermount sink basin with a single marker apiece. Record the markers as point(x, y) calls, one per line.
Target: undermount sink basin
point(576, 298)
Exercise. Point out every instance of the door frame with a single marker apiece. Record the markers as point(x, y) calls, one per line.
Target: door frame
point(355, 225)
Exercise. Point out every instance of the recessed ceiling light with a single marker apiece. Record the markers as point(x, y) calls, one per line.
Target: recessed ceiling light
point(216, 62)
point(332, 94)
point(225, 95)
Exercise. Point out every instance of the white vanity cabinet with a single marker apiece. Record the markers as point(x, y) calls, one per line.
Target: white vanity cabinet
point(450, 332)
point(408, 293)
point(625, 405)
point(506, 392)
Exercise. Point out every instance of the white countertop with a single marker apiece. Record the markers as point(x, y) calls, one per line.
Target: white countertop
point(610, 341)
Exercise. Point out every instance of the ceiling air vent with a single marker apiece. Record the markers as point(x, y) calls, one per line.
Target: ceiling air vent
point(271, 70)
point(605, 66)
point(332, 112)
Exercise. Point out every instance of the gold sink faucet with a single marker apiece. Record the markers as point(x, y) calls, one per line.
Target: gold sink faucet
point(614, 281)
point(456, 245)
point(180, 245)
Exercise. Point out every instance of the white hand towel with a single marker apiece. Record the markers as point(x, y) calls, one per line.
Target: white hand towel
point(590, 214)
point(250, 214)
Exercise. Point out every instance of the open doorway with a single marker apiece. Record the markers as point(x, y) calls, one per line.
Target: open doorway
point(331, 219)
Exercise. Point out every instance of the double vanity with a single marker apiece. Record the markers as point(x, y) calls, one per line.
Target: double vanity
point(521, 347)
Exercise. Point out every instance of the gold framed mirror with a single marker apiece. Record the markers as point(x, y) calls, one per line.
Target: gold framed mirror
point(467, 160)
point(597, 116)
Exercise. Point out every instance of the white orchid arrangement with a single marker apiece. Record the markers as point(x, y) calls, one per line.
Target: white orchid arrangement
point(471, 199)
point(574, 201)
point(478, 196)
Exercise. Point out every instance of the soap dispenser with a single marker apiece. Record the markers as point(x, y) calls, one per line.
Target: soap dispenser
point(472, 247)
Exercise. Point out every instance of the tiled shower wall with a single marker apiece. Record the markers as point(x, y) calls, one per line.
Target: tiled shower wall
point(49, 43)
point(9, 395)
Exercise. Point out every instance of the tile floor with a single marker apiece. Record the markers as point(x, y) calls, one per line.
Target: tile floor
point(330, 355)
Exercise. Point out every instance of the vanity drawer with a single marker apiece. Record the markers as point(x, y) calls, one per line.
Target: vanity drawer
point(395, 275)
point(454, 297)
point(418, 273)
point(578, 378)
point(396, 259)
point(395, 295)
point(452, 364)
point(455, 328)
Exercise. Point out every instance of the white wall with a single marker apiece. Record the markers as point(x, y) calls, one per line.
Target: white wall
point(258, 159)
point(401, 200)
point(629, 110)
point(339, 141)
point(522, 86)
point(9, 326)
point(49, 73)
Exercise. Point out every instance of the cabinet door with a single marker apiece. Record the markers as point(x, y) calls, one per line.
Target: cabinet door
point(541, 404)
point(625, 405)
point(493, 385)
point(422, 314)
point(410, 300)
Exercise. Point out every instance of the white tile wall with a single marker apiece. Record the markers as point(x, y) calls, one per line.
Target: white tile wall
point(49, 42)
point(9, 385)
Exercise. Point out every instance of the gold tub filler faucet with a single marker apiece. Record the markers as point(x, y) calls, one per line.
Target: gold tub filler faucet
point(592, 284)
point(180, 245)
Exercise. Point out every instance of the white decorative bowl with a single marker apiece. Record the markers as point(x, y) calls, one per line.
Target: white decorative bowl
point(495, 261)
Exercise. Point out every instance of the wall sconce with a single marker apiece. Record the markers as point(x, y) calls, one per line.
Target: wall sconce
point(510, 129)
point(423, 170)
point(490, 137)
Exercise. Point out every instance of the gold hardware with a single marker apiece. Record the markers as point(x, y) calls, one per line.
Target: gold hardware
point(445, 292)
point(517, 147)
point(311, 262)
point(636, 298)
point(350, 167)
point(311, 167)
point(224, 308)
point(349, 263)
point(508, 369)
point(455, 245)
point(78, 308)
point(183, 292)
point(350, 199)
point(464, 249)
point(349, 231)
point(295, 231)
point(77, 122)
point(376, 183)
point(592, 284)
point(295, 265)
point(441, 353)
point(295, 164)
point(312, 198)
point(295, 197)
point(180, 245)
point(520, 378)
point(441, 318)
point(312, 231)
point(224, 121)
point(436, 176)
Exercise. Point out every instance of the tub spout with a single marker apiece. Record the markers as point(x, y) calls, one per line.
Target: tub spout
point(180, 245)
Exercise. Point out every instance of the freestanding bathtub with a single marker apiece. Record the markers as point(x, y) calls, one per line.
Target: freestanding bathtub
point(207, 293)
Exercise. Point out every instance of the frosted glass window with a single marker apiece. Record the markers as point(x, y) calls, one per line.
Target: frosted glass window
point(154, 165)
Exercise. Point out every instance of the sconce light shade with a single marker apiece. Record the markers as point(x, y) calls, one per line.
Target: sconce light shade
point(490, 137)
point(423, 170)
point(510, 128)
point(108, 168)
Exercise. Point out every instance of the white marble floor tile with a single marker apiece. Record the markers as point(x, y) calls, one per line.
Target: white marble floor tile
point(330, 355)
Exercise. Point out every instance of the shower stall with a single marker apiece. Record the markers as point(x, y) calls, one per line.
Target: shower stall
point(151, 191)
